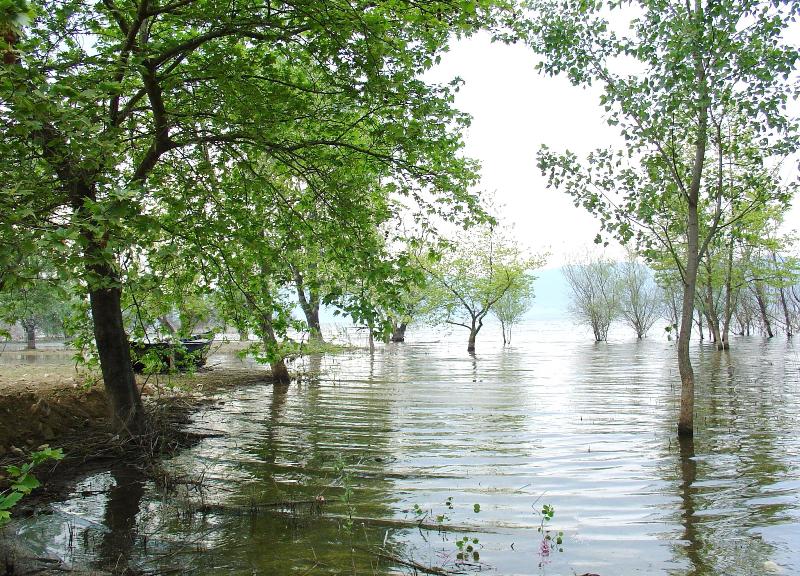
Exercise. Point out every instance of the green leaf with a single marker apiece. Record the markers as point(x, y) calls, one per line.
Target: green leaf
point(9, 500)
point(25, 484)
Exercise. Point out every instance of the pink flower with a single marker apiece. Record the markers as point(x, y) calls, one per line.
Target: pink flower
point(544, 548)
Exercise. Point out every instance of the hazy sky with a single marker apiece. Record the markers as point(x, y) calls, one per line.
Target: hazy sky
point(515, 110)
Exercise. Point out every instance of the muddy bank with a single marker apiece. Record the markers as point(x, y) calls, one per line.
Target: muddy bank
point(46, 399)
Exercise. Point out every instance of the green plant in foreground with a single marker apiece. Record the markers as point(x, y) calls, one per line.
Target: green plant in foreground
point(23, 482)
point(345, 477)
point(468, 545)
point(550, 540)
point(467, 549)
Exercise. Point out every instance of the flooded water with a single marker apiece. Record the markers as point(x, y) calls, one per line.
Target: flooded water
point(385, 464)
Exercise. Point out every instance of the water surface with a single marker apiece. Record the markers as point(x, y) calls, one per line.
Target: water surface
point(369, 445)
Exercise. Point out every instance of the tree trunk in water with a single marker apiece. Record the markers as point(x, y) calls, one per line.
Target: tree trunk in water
point(786, 316)
point(762, 307)
point(114, 351)
point(243, 337)
point(686, 417)
point(399, 332)
point(473, 333)
point(596, 330)
point(371, 329)
point(503, 328)
point(280, 374)
point(782, 293)
point(728, 313)
point(699, 321)
point(713, 320)
point(30, 335)
point(312, 317)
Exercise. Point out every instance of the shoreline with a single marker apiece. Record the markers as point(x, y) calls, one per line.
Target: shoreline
point(44, 396)
point(64, 407)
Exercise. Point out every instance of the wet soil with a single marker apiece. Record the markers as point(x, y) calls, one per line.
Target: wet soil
point(44, 399)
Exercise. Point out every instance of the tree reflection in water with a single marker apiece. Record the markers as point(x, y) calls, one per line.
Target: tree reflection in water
point(691, 536)
point(124, 500)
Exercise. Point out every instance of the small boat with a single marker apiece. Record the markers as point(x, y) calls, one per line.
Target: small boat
point(165, 356)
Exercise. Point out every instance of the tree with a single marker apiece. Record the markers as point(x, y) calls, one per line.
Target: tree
point(108, 101)
point(639, 298)
point(37, 299)
point(708, 74)
point(467, 282)
point(595, 298)
point(512, 306)
point(787, 270)
point(410, 304)
point(38, 305)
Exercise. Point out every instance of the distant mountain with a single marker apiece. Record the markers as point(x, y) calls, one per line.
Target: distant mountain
point(551, 302)
point(552, 296)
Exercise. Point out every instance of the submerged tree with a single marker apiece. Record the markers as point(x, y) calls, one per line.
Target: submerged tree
point(38, 305)
point(707, 73)
point(512, 306)
point(595, 298)
point(467, 282)
point(36, 298)
point(639, 297)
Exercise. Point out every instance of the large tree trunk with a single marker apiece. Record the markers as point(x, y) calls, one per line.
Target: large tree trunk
point(114, 351)
point(399, 332)
point(105, 298)
point(280, 374)
point(312, 317)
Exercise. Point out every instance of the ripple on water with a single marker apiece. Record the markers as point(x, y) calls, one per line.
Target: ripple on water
point(586, 427)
